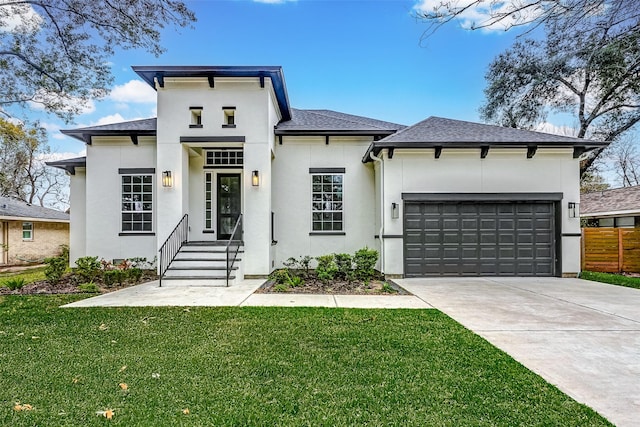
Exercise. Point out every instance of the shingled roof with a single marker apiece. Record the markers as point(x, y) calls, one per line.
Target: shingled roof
point(328, 122)
point(16, 209)
point(134, 128)
point(624, 200)
point(69, 165)
point(450, 133)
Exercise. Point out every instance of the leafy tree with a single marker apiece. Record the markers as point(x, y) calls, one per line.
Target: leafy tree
point(593, 75)
point(508, 14)
point(23, 175)
point(54, 52)
point(591, 182)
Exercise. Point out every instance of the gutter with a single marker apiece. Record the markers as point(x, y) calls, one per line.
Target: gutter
point(381, 232)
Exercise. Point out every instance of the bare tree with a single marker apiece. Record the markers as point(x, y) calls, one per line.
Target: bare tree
point(624, 157)
point(24, 175)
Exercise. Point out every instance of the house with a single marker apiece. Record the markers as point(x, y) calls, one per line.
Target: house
point(30, 233)
point(617, 207)
point(228, 163)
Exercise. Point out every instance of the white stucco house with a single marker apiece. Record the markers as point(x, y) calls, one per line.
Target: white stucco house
point(441, 197)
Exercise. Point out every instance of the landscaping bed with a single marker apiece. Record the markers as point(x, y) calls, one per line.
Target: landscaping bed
point(335, 274)
point(88, 276)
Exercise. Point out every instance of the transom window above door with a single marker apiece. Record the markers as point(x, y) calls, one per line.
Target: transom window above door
point(226, 157)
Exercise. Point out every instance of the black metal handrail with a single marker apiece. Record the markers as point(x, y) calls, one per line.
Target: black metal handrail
point(233, 246)
point(172, 245)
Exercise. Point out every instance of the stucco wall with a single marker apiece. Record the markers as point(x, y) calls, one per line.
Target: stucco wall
point(47, 238)
point(292, 196)
point(78, 216)
point(463, 171)
point(103, 188)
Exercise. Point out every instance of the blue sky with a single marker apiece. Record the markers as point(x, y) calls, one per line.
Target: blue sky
point(358, 57)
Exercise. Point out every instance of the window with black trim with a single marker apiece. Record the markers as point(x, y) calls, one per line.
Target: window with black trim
point(196, 117)
point(327, 202)
point(137, 203)
point(226, 157)
point(229, 117)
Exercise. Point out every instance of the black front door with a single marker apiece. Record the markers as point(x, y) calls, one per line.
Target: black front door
point(229, 203)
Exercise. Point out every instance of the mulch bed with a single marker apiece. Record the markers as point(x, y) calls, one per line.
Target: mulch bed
point(69, 285)
point(312, 285)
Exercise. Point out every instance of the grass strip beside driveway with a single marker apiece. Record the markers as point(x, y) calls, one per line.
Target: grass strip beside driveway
point(261, 366)
point(612, 279)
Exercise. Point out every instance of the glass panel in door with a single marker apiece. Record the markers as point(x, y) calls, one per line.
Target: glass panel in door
point(229, 203)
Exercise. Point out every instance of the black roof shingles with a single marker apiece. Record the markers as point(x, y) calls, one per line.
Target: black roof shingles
point(16, 208)
point(333, 121)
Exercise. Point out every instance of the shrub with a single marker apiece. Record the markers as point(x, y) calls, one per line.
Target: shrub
point(87, 268)
point(89, 287)
point(300, 265)
point(135, 274)
point(281, 287)
point(327, 268)
point(388, 289)
point(365, 259)
point(279, 276)
point(344, 263)
point(55, 268)
point(295, 281)
point(111, 277)
point(14, 283)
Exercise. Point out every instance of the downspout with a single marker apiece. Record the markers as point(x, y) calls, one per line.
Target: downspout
point(381, 232)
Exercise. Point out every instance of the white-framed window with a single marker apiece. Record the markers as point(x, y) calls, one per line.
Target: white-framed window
point(27, 231)
point(137, 203)
point(208, 200)
point(327, 206)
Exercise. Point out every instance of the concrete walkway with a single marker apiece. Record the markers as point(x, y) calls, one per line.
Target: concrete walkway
point(583, 337)
point(242, 294)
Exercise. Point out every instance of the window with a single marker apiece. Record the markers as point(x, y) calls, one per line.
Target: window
point(137, 203)
point(227, 157)
point(27, 231)
point(196, 117)
point(326, 200)
point(208, 192)
point(229, 117)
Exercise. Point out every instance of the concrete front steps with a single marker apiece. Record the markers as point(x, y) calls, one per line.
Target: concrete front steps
point(203, 264)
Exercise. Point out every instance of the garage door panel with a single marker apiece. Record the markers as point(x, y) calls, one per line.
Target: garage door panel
point(479, 238)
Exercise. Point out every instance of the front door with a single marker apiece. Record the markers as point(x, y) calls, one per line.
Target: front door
point(229, 203)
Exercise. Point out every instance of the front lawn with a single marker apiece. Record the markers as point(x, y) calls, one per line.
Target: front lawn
point(612, 279)
point(260, 366)
point(29, 276)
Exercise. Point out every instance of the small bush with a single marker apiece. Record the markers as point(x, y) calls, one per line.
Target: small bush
point(327, 268)
point(55, 268)
point(14, 283)
point(88, 268)
point(280, 276)
point(281, 287)
point(111, 277)
point(344, 262)
point(89, 287)
point(388, 289)
point(365, 259)
point(295, 281)
point(135, 274)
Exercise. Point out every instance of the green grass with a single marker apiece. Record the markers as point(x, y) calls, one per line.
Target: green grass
point(613, 279)
point(262, 367)
point(29, 276)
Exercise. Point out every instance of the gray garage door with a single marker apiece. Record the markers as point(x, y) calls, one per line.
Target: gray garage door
point(479, 239)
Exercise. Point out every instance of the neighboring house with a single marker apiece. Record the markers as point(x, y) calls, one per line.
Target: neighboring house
point(442, 197)
point(30, 233)
point(617, 207)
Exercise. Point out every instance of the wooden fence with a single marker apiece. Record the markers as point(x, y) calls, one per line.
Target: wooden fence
point(611, 250)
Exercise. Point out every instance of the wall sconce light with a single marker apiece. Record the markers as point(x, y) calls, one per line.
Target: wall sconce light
point(573, 209)
point(395, 210)
point(255, 178)
point(167, 180)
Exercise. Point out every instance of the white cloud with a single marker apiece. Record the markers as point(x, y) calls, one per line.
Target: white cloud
point(66, 102)
point(19, 18)
point(53, 129)
point(134, 91)
point(50, 157)
point(484, 13)
point(557, 130)
point(112, 118)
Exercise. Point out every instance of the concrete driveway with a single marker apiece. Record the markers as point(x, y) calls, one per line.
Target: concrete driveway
point(582, 336)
